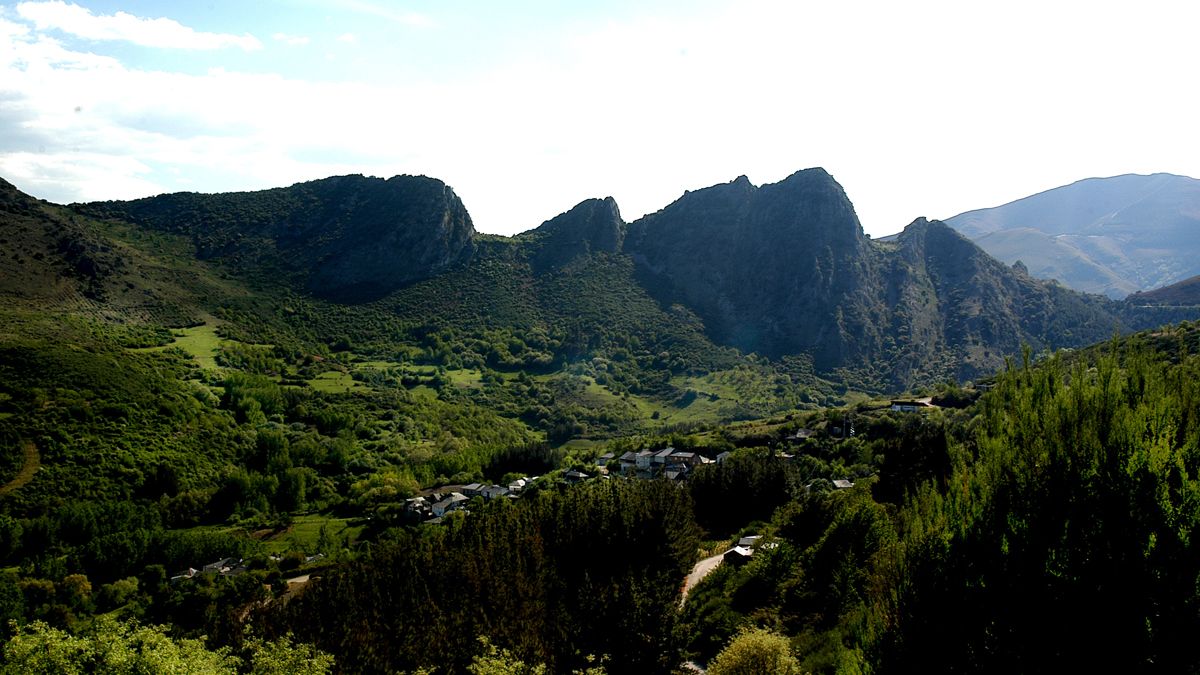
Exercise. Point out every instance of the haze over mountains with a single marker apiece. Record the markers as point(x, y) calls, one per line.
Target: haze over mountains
point(782, 270)
point(1114, 236)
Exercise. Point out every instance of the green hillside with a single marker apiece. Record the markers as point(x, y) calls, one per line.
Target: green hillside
point(269, 376)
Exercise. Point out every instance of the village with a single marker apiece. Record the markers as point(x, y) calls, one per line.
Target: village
point(666, 463)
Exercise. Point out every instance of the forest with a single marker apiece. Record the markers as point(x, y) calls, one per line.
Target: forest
point(1014, 528)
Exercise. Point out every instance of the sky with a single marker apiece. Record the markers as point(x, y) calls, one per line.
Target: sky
point(918, 108)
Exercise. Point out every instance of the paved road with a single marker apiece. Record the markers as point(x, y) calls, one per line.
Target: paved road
point(701, 570)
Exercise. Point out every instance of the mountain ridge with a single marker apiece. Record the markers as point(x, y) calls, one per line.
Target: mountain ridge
point(782, 270)
point(342, 231)
point(1114, 235)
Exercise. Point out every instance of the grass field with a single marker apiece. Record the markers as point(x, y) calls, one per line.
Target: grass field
point(200, 342)
point(336, 382)
point(305, 532)
point(470, 379)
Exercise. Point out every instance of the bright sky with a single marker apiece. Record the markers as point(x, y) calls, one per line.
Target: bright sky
point(525, 107)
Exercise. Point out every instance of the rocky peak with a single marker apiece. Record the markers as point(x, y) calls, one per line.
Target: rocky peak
point(388, 234)
point(592, 226)
point(766, 268)
point(348, 238)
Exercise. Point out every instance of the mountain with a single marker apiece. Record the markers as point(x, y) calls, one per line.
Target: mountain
point(349, 238)
point(782, 270)
point(786, 269)
point(1113, 235)
point(766, 268)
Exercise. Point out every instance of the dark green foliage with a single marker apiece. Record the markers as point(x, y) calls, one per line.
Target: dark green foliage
point(1074, 528)
point(592, 570)
point(747, 486)
point(917, 452)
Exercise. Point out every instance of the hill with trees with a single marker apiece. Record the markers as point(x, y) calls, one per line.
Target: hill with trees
point(256, 383)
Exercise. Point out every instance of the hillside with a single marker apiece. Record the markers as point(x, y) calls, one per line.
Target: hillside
point(1185, 293)
point(1114, 236)
point(782, 270)
point(786, 269)
point(348, 238)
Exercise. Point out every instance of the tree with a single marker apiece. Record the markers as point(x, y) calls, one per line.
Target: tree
point(111, 647)
point(756, 651)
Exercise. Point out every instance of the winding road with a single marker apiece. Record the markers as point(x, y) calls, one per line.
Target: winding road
point(701, 570)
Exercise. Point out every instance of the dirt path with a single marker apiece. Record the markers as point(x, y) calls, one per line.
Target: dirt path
point(701, 570)
point(32, 462)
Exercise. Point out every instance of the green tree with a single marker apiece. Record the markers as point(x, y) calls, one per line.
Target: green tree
point(112, 647)
point(756, 651)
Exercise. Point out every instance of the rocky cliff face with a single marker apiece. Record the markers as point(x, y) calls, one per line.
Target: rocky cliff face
point(785, 269)
point(775, 269)
point(958, 305)
point(592, 226)
point(347, 238)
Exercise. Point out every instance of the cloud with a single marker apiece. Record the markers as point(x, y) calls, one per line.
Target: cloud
point(348, 38)
point(293, 40)
point(161, 33)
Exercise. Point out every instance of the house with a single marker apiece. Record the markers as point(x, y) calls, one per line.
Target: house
point(663, 455)
point(628, 461)
point(750, 541)
point(473, 490)
point(221, 566)
point(417, 505)
point(675, 472)
point(737, 556)
point(688, 458)
point(802, 434)
point(841, 484)
point(518, 485)
point(574, 476)
point(910, 406)
point(723, 456)
point(644, 459)
point(454, 502)
point(603, 460)
point(494, 492)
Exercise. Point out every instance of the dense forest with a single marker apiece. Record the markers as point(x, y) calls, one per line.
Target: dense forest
point(1055, 511)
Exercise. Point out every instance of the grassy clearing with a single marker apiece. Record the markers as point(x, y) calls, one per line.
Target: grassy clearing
point(200, 342)
point(583, 444)
point(305, 532)
point(468, 379)
point(698, 410)
point(336, 382)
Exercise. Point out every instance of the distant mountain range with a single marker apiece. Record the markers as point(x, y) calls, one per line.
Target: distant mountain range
point(781, 270)
point(1114, 236)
